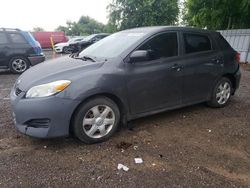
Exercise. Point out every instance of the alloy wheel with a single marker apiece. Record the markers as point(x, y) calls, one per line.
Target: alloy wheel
point(98, 121)
point(19, 65)
point(223, 93)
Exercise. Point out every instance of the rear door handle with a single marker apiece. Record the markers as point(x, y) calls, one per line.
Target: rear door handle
point(216, 60)
point(176, 67)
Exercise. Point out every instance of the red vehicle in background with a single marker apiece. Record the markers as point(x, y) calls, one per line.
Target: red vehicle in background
point(44, 38)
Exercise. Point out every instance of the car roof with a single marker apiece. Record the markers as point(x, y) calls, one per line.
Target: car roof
point(155, 29)
point(102, 34)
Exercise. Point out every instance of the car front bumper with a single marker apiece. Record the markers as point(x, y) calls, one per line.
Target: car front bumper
point(47, 117)
point(34, 60)
point(58, 49)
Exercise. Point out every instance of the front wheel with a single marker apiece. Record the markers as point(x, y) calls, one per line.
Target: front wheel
point(221, 93)
point(96, 120)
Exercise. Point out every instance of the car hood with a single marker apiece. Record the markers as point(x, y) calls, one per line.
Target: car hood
point(64, 68)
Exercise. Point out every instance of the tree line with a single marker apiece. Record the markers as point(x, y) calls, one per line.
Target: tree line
point(125, 14)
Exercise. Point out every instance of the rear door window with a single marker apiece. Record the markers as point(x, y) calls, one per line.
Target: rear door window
point(162, 46)
point(196, 43)
point(17, 38)
point(3, 38)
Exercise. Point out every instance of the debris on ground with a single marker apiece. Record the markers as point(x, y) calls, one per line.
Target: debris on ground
point(135, 147)
point(138, 160)
point(123, 145)
point(122, 167)
point(81, 159)
point(209, 130)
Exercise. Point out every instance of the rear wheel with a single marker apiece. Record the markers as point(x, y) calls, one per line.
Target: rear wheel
point(221, 93)
point(96, 120)
point(19, 64)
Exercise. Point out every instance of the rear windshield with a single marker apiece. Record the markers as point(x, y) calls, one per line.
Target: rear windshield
point(29, 38)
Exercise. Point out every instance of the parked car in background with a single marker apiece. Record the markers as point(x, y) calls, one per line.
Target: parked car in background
point(130, 74)
point(44, 38)
point(19, 50)
point(64, 46)
point(91, 39)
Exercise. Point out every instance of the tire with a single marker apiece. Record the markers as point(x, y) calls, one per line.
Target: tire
point(67, 50)
point(96, 120)
point(19, 65)
point(221, 93)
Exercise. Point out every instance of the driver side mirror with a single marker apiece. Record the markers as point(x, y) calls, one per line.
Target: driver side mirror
point(139, 55)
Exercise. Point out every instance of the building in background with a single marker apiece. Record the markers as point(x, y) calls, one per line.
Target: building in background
point(44, 38)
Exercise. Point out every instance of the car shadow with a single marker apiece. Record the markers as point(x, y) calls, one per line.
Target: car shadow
point(71, 141)
point(134, 126)
point(5, 72)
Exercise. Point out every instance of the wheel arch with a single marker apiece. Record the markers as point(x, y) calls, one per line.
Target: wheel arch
point(122, 107)
point(232, 79)
point(17, 56)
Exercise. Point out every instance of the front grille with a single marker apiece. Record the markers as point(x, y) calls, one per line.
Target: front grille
point(18, 91)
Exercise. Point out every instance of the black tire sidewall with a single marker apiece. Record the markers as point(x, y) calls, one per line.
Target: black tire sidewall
point(18, 57)
point(83, 109)
point(213, 102)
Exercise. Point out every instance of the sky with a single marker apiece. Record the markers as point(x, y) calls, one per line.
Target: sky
point(49, 14)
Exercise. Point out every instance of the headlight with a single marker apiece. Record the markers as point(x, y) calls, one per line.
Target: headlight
point(49, 89)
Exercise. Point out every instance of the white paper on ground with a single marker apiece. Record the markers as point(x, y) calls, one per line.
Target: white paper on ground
point(138, 160)
point(123, 167)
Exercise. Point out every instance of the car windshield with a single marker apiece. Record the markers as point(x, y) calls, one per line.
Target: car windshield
point(74, 40)
point(112, 46)
point(71, 40)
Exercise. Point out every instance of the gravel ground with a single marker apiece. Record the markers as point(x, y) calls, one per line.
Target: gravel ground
point(191, 147)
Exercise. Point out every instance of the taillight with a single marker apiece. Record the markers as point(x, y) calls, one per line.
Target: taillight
point(237, 57)
point(37, 50)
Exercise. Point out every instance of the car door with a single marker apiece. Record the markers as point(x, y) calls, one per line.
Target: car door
point(202, 64)
point(155, 84)
point(4, 49)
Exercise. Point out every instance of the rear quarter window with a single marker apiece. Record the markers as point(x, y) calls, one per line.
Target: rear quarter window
point(222, 42)
point(17, 38)
point(3, 38)
point(196, 43)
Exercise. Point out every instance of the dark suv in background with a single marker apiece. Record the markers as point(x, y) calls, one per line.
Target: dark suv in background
point(89, 40)
point(19, 50)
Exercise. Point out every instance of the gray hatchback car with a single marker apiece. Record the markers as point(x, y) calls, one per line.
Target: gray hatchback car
point(130, 74)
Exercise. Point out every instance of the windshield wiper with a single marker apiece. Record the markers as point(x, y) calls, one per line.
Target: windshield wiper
point(88, 58)
point(84, 58)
